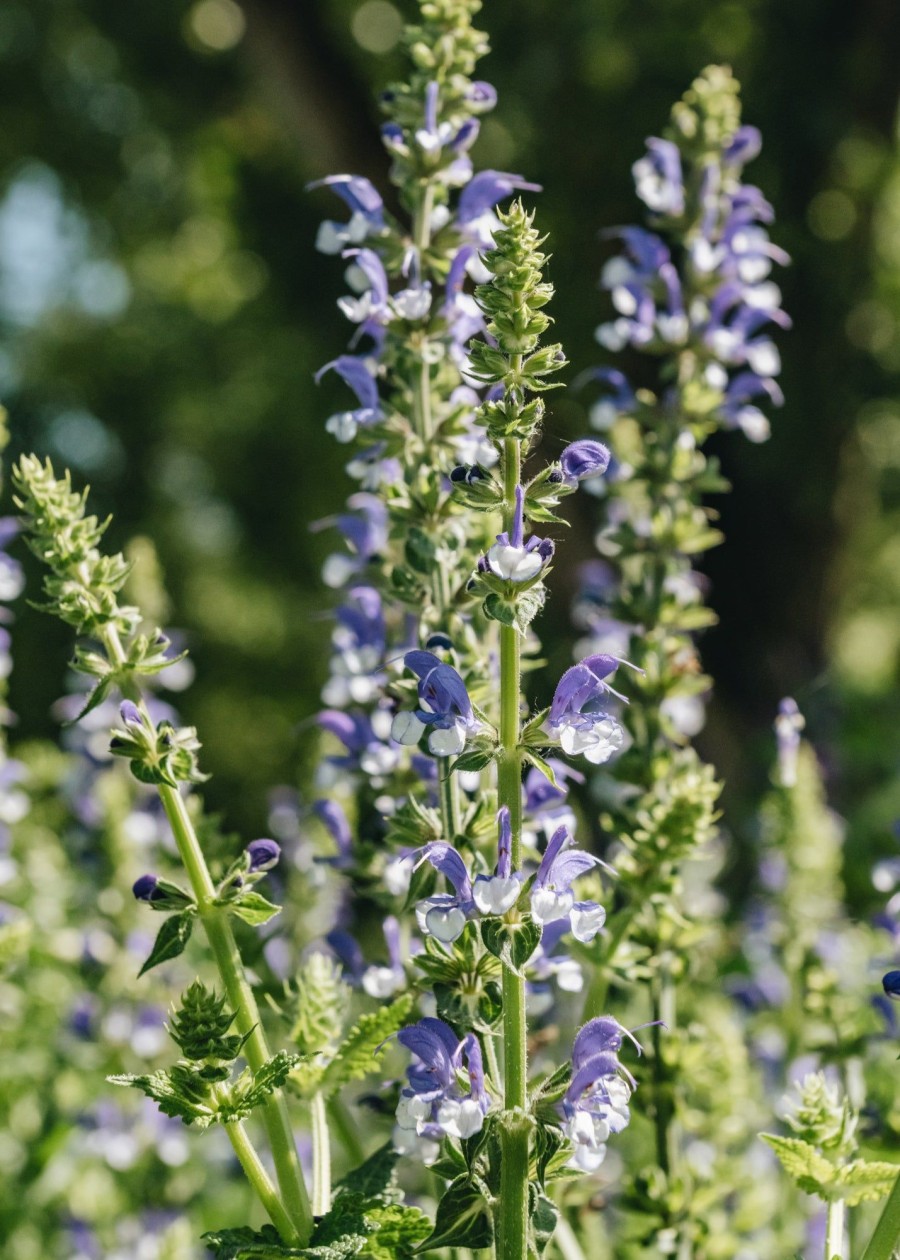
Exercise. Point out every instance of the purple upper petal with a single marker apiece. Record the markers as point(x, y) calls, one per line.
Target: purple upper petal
point(358, 193)
point(444, 858)
point(486, 189)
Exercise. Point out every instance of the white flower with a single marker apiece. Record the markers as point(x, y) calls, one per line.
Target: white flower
point(460, 1119)
point(514, 564)
point(494, 895)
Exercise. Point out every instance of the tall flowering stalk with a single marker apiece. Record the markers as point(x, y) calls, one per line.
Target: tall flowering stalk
point(692, 292)
point(82, 588)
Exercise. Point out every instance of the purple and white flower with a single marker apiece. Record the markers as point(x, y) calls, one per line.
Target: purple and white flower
point(552, 897)
point(444, 915)
point(445, 1095)
point(497, 893)
point(366, 213)
point(658, 178)
point(596, 1102)
point(513, 559)
point(445, 710)
point(578, 716)
point(584, 458)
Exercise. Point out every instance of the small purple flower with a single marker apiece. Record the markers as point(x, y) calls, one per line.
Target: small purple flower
point(444, 915)
point(658, 178)
point(511, 558)
point(381, 981)
point(335, 821)
point(596, 1102)
point(357, 372)
point(497, 893)
point(578, 717)
point(146, 888)
point(130, 714)
point(366, 207)
point(435, 1102)
point(262, 855)
point(446, 710)
point(552, 897)
point(584, 458)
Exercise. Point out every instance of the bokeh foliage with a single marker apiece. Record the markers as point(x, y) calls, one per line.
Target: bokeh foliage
point(162, 312)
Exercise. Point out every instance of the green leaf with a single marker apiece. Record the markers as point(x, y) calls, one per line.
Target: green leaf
point(463, 1219)
point(554, 1087)
point(170, 939)
point(512, 943)
point(812, 1172)
point(254, 909)
point(497, 609)
point(96, 696)
point(179, 1092)
point(474, 759)
point(548, 1141)
point(420, 551)
point(374, 1180)
point(356, 1057)
point(269, 1077)
point(265, 1244)
point(544, 1216)
point(867, 1180)
point(398, 1231)
point(249, 1244)
point(540, 764)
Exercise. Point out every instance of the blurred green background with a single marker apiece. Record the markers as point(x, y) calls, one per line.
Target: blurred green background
point(163, 311)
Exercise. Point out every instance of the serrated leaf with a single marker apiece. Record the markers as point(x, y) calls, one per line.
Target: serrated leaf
point(249, 1244)
point(253, 908)
point(867, 1180)
point(271, 1076)
point(463, 1219)
point(512, 943)
point(812, 1172)
point(178, 1092)
point(171, 939)
point(398, 1231)
point(355, 1058)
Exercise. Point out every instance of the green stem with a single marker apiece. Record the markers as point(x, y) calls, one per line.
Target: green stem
point(321, 1197)
point(240, 996)
point(243, 1003)
point(513, 1202)
point(834, 1231)
point(885, 1242)
point(450, 804)
point(259, 1179)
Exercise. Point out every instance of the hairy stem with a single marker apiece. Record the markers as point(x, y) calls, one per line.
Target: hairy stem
point(513, 1211)
point(243, 1003)
point(259, 1179)
point(240, 996)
